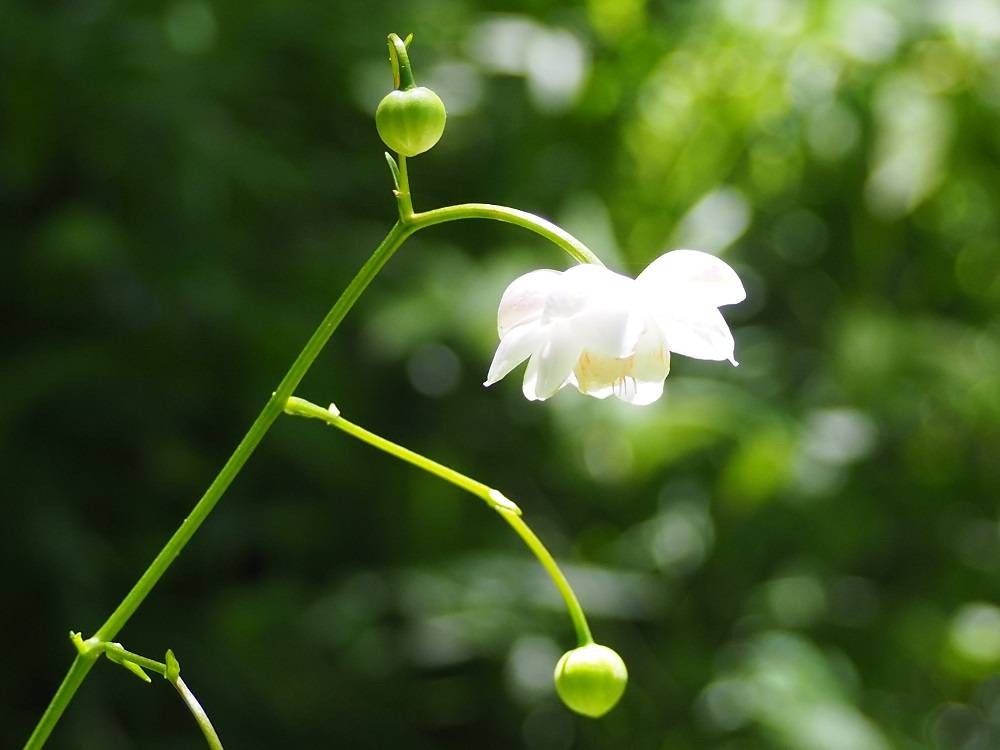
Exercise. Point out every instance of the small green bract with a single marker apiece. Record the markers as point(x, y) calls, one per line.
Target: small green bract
point(410, 121)
point(591, 679)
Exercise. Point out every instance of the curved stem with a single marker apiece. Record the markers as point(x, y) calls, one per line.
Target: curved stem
point(200, 717)
point(517, 523)
point(494, 498)
point(118, 654)
point(536, 224)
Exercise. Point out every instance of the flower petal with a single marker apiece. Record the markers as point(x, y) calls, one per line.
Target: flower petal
point(578, 288)
point(530, 385)
point(692, 275)
point(555, 362)
point(614, 320)
point(602, 305)
point(638, 392)
point(695, 331)
point(524, 299)
point(515, 347)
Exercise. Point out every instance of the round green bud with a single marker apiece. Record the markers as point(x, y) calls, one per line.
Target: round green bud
point(410, 121)
point(591, 679)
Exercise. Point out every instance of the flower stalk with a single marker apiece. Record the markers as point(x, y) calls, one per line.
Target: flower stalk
point(508, 510)
point(170, 670)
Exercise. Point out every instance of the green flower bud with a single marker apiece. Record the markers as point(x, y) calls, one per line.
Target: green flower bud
point(590, 679)
point(410, 121)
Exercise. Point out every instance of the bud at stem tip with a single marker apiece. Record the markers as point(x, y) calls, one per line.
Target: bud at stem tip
point(591, 679)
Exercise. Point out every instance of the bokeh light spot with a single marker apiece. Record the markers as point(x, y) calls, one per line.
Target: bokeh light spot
point(190, 26)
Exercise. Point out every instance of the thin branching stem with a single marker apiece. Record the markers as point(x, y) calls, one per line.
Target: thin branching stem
point(408, 224)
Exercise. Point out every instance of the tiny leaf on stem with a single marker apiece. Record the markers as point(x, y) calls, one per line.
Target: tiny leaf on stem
point(173, 667)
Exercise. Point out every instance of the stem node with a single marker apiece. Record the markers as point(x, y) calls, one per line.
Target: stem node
point(90, 648)
point(503, 504)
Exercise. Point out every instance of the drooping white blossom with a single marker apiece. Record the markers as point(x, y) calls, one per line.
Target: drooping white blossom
point(606, 333)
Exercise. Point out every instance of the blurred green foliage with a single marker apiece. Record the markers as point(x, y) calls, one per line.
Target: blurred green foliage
point(801, 553)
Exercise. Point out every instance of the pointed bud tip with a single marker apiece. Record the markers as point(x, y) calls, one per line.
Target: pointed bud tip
point(173, 670)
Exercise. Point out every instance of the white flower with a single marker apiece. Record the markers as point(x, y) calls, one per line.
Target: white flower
point(609, 334)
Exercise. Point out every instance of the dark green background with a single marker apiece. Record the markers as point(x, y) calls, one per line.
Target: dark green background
point(802, 552)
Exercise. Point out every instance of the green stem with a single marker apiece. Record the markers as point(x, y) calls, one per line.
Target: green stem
point(403, 198)
point(523, 219)
point(583, 636)
point(117, 654)
point(408, 224)
point(272, 409)
point(200, 717)
point(494, 498)
point(78, 670)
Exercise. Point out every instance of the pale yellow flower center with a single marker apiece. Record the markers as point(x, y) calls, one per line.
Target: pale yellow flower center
point(594, 371)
